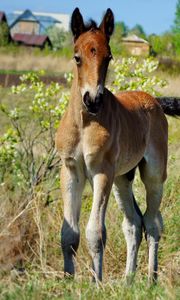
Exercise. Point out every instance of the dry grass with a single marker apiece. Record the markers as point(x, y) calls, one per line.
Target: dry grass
point(173, 86)
point(30, 61)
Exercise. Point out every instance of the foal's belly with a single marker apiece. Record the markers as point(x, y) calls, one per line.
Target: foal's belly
point(122, 158)
point(128, 162)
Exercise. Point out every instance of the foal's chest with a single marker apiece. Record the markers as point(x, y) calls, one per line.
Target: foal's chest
point(95, 138)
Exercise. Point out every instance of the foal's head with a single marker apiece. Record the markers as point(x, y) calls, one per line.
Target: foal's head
point(92, 55)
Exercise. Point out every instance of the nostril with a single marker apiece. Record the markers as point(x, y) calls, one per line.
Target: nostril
point(87, 99)
point(86, 94)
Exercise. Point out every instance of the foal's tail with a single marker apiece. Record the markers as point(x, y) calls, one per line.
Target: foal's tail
point(170, 105)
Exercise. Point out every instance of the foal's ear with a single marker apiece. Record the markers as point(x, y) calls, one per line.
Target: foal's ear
point(77, 23)
point(107, 24)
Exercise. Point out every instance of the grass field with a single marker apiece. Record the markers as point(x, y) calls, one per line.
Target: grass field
point(30, 60)
point(31, 235)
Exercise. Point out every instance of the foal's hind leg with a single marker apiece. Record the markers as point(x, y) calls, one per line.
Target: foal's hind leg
point(132, 223)
point(153, 177)
point(72, 184)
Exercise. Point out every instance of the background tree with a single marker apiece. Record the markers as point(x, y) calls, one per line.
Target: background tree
point(139, 31)
point(57, 36)
point(4, 34)
point(121, 30)
point(162, 44)
point(176, 29)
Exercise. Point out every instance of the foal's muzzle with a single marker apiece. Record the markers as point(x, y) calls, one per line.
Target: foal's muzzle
point(93, 105)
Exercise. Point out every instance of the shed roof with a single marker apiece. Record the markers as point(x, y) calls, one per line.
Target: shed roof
point(31, 39)
point(134, 38)
point(27, 15)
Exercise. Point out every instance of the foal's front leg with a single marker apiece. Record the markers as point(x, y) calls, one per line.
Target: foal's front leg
point(96, 230)
point(72, 184)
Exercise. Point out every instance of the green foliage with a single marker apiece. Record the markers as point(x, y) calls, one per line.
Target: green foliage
point(176, 42)
point(134, 74)
point(58, 37)
point(80, 288)
point(167, 44)
point(139, 31)
point(27, 154)
point(8, 152)
point(162, 45)
point(4, 34)
point(120, 31)
point(176, 27)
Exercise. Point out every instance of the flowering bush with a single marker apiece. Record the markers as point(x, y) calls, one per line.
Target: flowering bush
point(132, 74)
point(27, 153)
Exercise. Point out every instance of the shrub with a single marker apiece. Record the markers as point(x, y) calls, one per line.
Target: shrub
point(27, 155)
point(134, 74)
point(58, 37)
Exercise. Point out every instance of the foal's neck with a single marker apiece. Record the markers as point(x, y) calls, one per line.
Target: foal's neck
point(75, 104)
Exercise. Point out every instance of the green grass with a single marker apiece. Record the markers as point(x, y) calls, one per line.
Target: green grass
point(80, 288)
point(34, 236)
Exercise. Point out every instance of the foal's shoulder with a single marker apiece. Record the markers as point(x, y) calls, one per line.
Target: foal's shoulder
point(134, 100)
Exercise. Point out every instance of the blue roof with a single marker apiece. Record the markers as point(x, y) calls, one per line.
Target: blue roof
point(27, 15)
point(11, 18)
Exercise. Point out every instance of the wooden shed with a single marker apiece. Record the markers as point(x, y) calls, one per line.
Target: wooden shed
point(136, 45)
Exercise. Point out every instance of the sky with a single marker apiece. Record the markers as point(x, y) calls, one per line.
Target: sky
point(156, 16)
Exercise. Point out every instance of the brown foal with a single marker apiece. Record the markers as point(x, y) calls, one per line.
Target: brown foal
point(103, 138)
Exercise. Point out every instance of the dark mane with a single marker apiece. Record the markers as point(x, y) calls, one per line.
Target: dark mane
point(91, 25)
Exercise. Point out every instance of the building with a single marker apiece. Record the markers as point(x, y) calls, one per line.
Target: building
point(32, 40)
point(64, 19)
point(136, 45)
point(28, 22)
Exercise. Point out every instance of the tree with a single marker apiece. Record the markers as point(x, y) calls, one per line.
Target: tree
point(4, 34)
point(121, 30)
point(57, 36)
point(162, 44)
point(176, 29)
point(138, 30)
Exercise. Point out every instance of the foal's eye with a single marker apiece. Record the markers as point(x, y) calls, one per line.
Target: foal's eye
point(77, 59)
